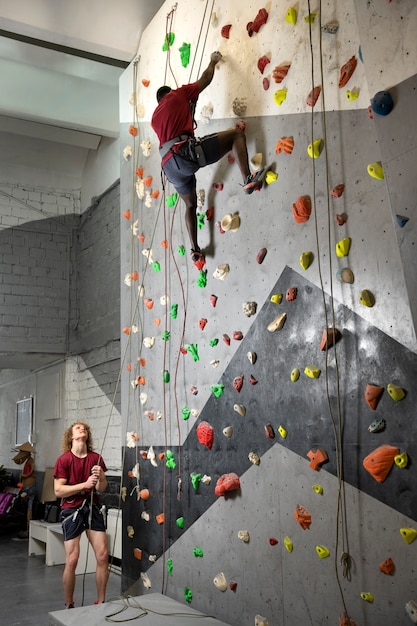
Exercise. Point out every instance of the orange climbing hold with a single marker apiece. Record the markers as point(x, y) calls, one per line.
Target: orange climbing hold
point(227, 483)
point(137, 553)
point(139, 172)
point(379, 462)
point(160, 518)
point(337, 191)
point(372, 395)
point(144, 494)
point(141, 238)
point(345, 620)
point(285, 144)
point(148, 181)
point(126, 214)
point(146, 82)
point(148, 303)
point(301, 209)
point(387, 567)
point(347, 70)
point(133, 130)
point(155, 194)
point(317, 457)
point(303, 517)
point(329, 338)
point(313, 96)
point(280, 72)
point(142, 361)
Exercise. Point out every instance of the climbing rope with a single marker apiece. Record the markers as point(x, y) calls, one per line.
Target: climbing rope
point(337, 423)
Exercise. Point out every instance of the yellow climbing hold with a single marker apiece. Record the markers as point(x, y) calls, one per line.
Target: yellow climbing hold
point(276, 298)
point(282, 432)
point(291, 16)
point(318, 489)
point(401, 460)
point(315, 148)
point(288, 544)
point(271, 177)
point(352, 94)
point(396, 393)
point(312, 372)
point(295, 374)
point(280, 96)
point(367, 298)
point(322, 552)
point(310, 18)
point(306, 259)
point(376, 171)
point(343, 247)
point(408, 534)
point(368, 597)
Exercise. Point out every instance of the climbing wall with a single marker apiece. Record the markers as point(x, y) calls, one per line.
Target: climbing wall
point(213, 351)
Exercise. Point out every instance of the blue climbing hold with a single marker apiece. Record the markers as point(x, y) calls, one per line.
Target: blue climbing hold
point(382, 103)
point(401, 220)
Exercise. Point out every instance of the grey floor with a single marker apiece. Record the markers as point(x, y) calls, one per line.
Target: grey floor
point(30, 590)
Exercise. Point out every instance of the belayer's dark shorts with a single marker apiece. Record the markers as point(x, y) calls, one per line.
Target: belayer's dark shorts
point(76, 520)
point(180, 169)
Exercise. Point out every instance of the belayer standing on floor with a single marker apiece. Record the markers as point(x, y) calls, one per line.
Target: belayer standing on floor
point(183, 154)
point(79, 475)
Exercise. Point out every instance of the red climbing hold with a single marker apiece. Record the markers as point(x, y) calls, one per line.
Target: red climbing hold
point(205, 434)
point(237, 335)
point(226, 339)
point(387, 567)
point(313, 96)
point(202, 323)
point(337, 191)
point(261, 255)
point(280, 72)
point(273, 541)
point(291, 294)
point(213, 300)
point(372, 395)
point(347, 70)
point(230, 157)
point(301, 209)
point(238, 383)
point(269, 431)
point(265, 83)
point(253, 380)
point(263, 62)
point(227, 483)
point(225, 31)
point(233, 585)
point(183, 350)
point(341, 218)
point(259, 20)
point(210, 213)
point(218, 186)
point(317, 457)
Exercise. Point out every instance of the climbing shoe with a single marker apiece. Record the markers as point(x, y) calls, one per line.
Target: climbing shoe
point(254, 181)
point(198, 259)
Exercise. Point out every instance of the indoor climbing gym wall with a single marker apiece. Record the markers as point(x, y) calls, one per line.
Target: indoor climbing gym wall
point(268, 397)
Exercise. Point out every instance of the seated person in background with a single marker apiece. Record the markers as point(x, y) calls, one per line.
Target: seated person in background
point(27, 481)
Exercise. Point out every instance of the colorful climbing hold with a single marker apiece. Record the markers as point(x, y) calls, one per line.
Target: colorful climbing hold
point(382, 103)
point(238, 382)
point(271, 177)
point(263, 62)
point(195, 479)
point(367, 298)
point(202, 279)
point(288, 544)
point(226, 483)
point(188, 594)
point(269, 431)
point(301, 209)
point(303, 517)
point(329, 338)
point(367, 596)
point(313, 96)
point(165, 376)
point(408, 534)
point(185, 412)
point(291, 16)
point(213, 342)
point(198, 551)
point(277, 323)
point(310, 18)
point(401, 220)
point(343, 247)
point(173, 311)
point(156, 266)
point(379, 462)
point(168, 41)
point(170, 461)
point(282, 432)
point(185, 54)
point(352, 94)
point(291, 294)
point(306, 260)
point(192, 348)
point(261, 256)
point(170, 566)
point(346, 71)
point(181, 250)
point(217, 390)
point(280, 72)
point(171, 200)
point(395, 392)
point(295, 375)
point(315, 148)
point(205, 434)
point(280, 96)
point(401, 460)
point(225, 31)
point(345, 275)
point(166, 335)
point(317, 457)
point(311, 371)
point(318, 489)
point(213, 300)
point(180, 522)
point(387, 567)
point(202, 323)
point(273, 541)
point(276, 298)
point(376, 171)
point(377, 425)
point(285, 144)
point(322, 552)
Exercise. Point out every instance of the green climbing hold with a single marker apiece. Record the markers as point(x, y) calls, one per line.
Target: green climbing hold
point(165, 376)
point(168, 41)
point(170, 462)
point(188, 594)
point(171, 200)
point(198, 551)
point(195, 479)
point(186, 412)
point(192, 348)
point(181, 250)
point(166, 335)
point(180, 522)
point(213, 342)
point(185, 54)
point(217, 390)
point(200, 220)
point(202, 279)
point(170, 566)
point(173, 311)
point(156, 266)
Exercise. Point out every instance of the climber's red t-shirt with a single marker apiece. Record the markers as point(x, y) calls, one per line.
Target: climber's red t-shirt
point(76, 471)
point(172, 117)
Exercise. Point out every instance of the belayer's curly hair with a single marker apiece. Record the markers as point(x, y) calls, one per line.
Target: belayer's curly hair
point(66, 443)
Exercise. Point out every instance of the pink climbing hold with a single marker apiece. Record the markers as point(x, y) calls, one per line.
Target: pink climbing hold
point(225, 31)
point(202, 323)
point(261, 255)
point(253, 380)
point(226, 339)
point(219, 226)
point(227, 483)
point(193, 390)
point(238, 382)
point(213, 300)
point(205, 434)
point(340, 218)
point(337, 191)
point(237, 335)
point(269, 431)
point(313, 96)
point(262, 63)
point(265, 83)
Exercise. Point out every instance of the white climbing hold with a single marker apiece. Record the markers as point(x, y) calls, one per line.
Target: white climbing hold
point(221, 272)
point(254, 458)
point(146, 580)
point(220, 581)
point(243, 535)
point(148, 253)
point(261, 621)
point(206, 480)
point(230, 222)
point(228, 431)
point(135, 471)
point(249, 308)
point(256, 160)
point(143, 398)
point(127, 153)
point(277, 323)
point(252, 356)
point(145, 516)
point(164, 300)
point(149, 342)
point(146, 147)
point(206, 113)
point(215, 363)
point(152, 457)
point(239, 408)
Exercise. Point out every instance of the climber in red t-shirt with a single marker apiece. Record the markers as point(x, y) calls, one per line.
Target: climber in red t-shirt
point(79, 475)
point(183, 154)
